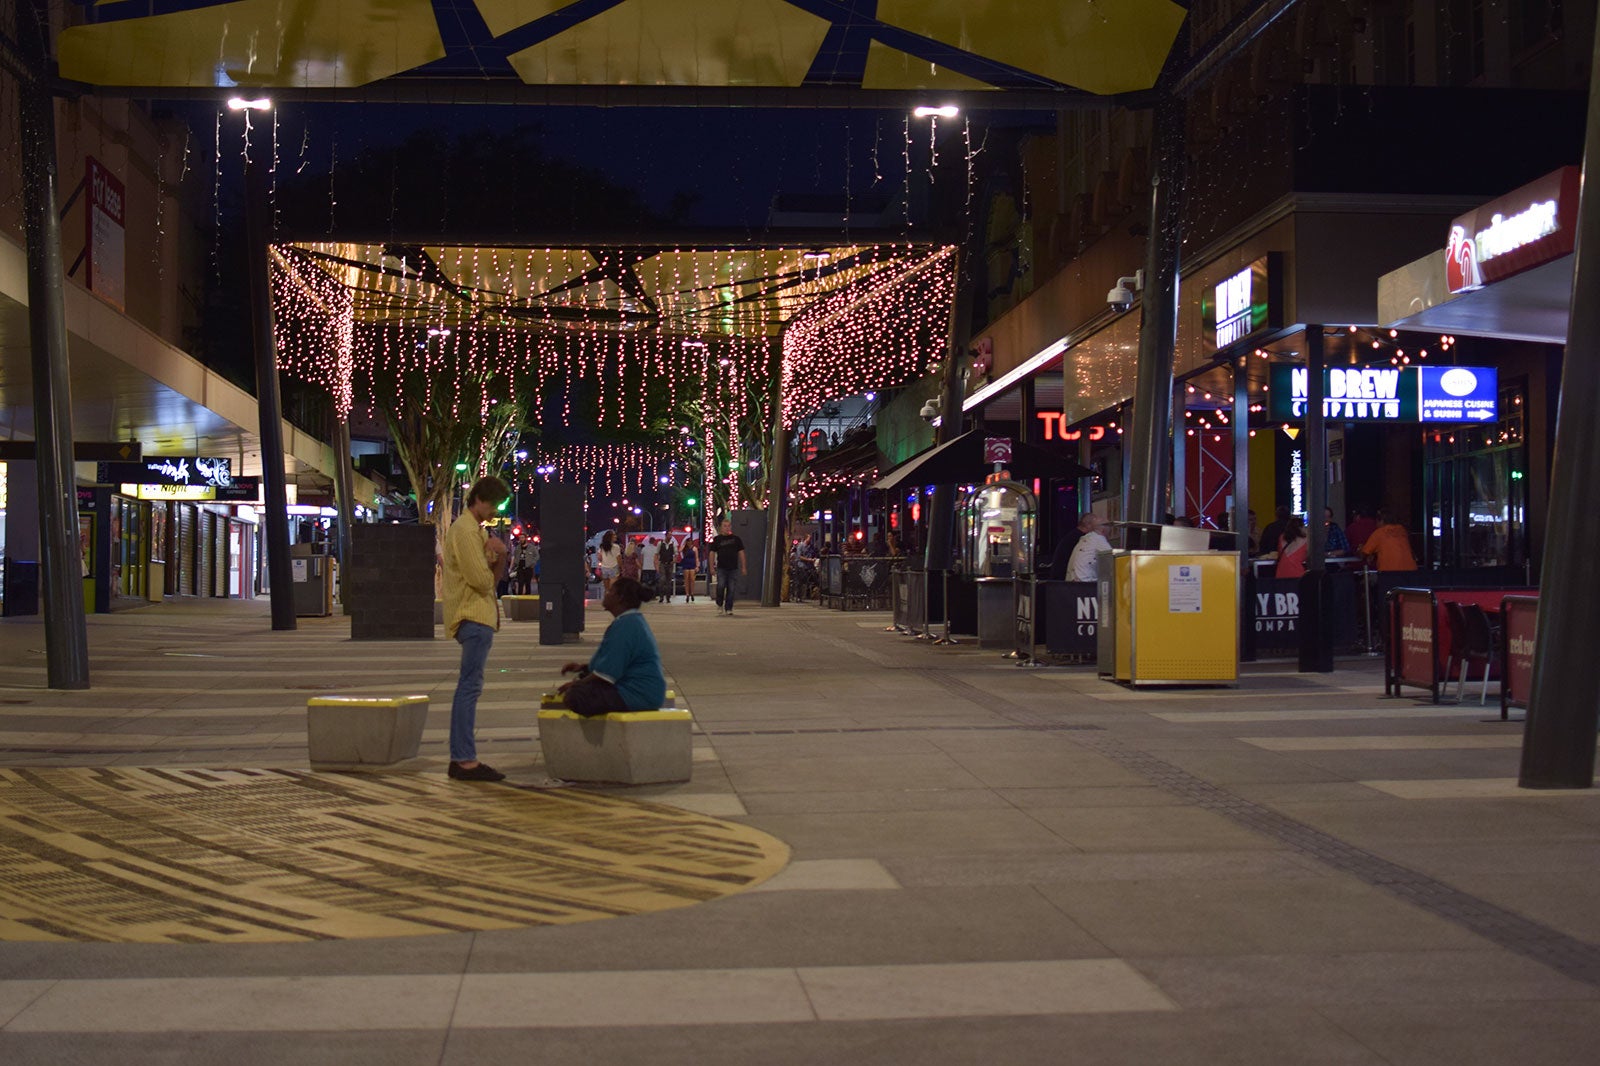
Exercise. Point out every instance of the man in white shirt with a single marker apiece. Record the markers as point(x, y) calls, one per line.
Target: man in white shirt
point(1081, 565)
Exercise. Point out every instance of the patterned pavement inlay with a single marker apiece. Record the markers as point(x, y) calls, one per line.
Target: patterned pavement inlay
point(241, 856)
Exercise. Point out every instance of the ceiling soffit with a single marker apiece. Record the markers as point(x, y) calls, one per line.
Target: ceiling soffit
point(1098, 46)
point(680, 42)
point(256, 43)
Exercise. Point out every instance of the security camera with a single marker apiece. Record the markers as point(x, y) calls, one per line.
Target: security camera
point(930, 410)
point(1122, 294)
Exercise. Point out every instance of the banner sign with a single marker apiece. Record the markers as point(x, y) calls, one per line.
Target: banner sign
point(168, 470)
point(1522, 229)
point(1416, 657)
point(1520, 615)
point(1458, 393)
point(1071, 618)
point(105, 259)
point(239, 490)
point(1388, 393)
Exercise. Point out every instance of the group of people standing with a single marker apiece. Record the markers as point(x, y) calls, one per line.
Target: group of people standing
point(655, 562)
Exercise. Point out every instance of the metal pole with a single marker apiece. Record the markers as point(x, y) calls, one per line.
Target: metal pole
point(343, 486)
point(1158, 324)
point(1241, 508)
point(941, 511)
point(1316, 651)
point(279, 570)
point(777, 490)
point(1178, 503)
point(65, 630)
point(1564, 702)
point(1028, 410)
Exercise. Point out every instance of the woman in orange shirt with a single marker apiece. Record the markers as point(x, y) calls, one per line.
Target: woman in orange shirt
point(1390, 545)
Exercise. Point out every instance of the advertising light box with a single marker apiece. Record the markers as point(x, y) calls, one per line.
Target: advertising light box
point(1459, 394)
point(1388, 394)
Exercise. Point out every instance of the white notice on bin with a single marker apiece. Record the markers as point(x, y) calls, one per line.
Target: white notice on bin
point(299, 569)
point(1183, 589)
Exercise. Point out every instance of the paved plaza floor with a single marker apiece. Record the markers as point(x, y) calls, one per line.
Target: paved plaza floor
point(946, 859)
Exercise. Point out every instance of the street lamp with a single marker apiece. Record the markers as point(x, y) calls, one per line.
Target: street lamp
point(516, 480)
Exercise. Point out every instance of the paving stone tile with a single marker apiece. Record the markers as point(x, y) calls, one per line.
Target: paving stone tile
point(1232, 1038)
point(612, 1000)
point(1249, 917)
point(1076, 986)
point(1475, 1034)
point(879, 834)
point(837, 928)
point(1036, 869)
point(1314, 980)
point(1149, 828)
point(847, 773)
point(235, 1049)
point(176, 1005)
point(907, 799)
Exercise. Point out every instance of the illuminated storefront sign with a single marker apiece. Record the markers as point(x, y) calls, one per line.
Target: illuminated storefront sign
point(1533, 225)
point(1242, 304)
point(1055, 427)
point(197, 471)
point(1351, 394)
point(1459, 394)
point(239, 490)
point(1389, 394)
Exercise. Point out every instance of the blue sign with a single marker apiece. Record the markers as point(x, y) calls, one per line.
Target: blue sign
point(1459, 394)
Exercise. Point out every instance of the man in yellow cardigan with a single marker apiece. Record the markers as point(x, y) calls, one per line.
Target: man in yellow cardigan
point(473, 563)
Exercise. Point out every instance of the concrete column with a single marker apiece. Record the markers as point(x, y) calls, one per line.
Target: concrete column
point(1564, 705)
point(279, 569)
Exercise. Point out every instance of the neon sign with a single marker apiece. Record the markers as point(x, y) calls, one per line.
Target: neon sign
point(1533, 225)
point(1055, 427)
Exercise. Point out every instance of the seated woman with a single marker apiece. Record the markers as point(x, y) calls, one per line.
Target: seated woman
point(625, 672)
point(1292, 559)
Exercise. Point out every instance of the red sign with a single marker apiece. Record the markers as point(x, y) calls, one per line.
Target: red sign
point(1415, 619)
point(997, 449)
point(105, 271)
point(1520, 615)
point(1523, 229)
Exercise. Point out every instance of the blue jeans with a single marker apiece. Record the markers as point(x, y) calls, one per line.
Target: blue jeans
point(475, 639)
point(725, 579)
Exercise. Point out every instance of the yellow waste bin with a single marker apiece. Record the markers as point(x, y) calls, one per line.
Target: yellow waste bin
point(1174, 617)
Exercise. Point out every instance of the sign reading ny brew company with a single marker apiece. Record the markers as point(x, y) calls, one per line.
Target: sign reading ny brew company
point(1242, 304)
point(1389, 394)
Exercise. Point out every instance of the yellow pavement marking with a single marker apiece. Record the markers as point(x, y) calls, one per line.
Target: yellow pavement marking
point(192, 855)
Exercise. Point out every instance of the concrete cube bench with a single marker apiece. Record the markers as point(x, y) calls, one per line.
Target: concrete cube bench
point(361, 732)
point(626, 747)
point(521, 608)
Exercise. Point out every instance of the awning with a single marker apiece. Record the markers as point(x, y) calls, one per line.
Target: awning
point(936, 45)
point(961, 460)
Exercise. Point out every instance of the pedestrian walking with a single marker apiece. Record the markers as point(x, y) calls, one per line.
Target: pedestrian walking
point(728, 551)
point(666, 569)
point(607, 558)
point(688, 563)
point(473, 563)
